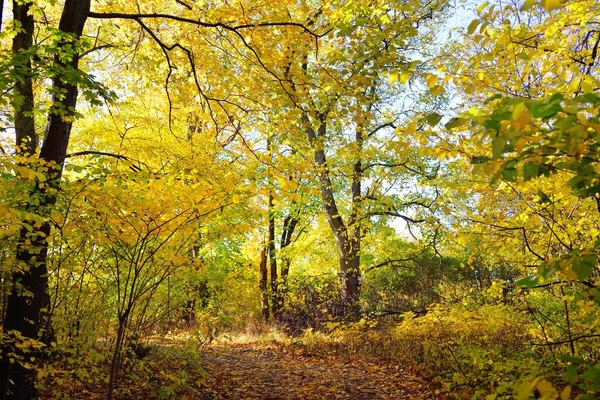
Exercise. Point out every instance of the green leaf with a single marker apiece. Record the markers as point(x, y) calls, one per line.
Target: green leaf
point(592, 373)
point(480, 160)
point(549, 268)
point(578, 182)
point(455, 123)
point(544, 198)
point(528, 282)
point(556, 97)
point(545, 110)
point(495, 120)
point(530, 170)
point(498, 146)
point(571, 359)
point(588, 98)
point(433, 119)
point(583, 266)
point(570, 374)
point(510, 174)
point(543, 170)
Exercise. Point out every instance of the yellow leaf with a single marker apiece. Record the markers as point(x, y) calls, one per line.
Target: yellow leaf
point(566, 268)
point(472, 26)
point(547, 389)
point(520, 116)
point(566, 393)
point(404, 77)
point(528, 4)
point(431, 81)
point(525, 388)
point(26, 173)
point(481, 7)
point(393, 76)
point(437, 90)
point(520, 144)
point(587, 87)
point(550, 5)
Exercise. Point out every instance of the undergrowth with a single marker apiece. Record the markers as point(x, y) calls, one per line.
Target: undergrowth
point(487, 352)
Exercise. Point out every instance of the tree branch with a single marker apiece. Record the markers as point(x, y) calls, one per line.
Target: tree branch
point(232, 28)
point(574, 339)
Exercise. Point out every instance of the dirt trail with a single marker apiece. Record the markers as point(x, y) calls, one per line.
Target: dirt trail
point(277, 372)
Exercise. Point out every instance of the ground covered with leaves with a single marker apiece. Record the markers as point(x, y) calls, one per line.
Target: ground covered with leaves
point(280, 371)
point(255, 368)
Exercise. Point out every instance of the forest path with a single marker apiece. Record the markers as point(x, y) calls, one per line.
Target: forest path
point(275, 372)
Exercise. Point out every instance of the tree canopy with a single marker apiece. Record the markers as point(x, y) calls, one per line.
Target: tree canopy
point(365, 169)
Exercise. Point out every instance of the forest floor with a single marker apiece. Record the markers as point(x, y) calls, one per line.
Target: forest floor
point(257, 369)
point(270, 371)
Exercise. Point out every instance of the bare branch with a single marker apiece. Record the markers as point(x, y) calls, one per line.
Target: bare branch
point(233, 28)
point(184, 4)
point(96, 153)
point(380, 127)
point(574, 339)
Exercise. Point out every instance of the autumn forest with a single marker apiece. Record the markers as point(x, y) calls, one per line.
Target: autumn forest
point(333, 199)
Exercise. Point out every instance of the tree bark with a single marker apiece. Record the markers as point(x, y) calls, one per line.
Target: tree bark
point(289, 226)
point(347, 245)
point(28, 313)
point(25, 135)
point(275, 295)
point(20, 309)
point(1, 13)
point(264, 275)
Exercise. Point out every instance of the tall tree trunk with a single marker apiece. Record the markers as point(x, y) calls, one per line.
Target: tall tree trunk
point(264, 279)
point(1, 13)
point(289, 226)
point(275, 295)
point(28, 313)
point(19, 308)
point(25, 135)
point(347, 245)
point(354, 222)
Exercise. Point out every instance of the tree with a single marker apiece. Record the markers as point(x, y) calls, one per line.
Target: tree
point(59, 61)
point(338, 100)
point(26, 313)
point(530, 128)
point(535, 136)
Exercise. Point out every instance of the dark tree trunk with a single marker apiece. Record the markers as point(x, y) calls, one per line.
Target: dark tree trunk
point(347, 245)
point(21, 309)
point(28, 314)
point(25, 135)
point(1, 13)
point(354, 226)
point(264, 278)
point(275, 295)
point(289, 226)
